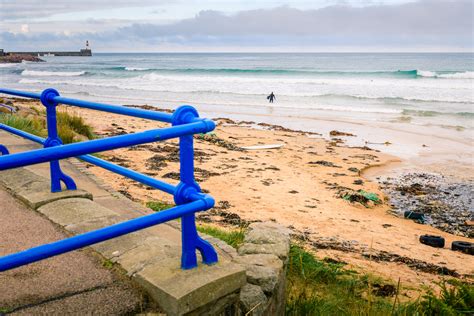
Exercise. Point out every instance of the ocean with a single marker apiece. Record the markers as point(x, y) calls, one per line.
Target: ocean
point(430, 92)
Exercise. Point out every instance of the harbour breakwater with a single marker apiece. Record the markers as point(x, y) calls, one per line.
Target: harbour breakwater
point(80, 53)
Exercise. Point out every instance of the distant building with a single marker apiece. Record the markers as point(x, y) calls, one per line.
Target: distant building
point(2, 53)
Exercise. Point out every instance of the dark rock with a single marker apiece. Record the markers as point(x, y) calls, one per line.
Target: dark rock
point(323, 163)
point(338, 133)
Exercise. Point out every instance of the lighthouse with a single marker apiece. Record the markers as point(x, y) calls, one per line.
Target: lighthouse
point(86, 51)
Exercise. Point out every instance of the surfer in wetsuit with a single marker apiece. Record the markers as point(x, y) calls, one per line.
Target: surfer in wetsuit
point(271, 97)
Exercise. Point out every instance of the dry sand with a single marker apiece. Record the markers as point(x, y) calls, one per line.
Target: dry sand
point(297, 185)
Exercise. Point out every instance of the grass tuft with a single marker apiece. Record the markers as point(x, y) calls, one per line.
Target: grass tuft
point(316, 287)
point(233, 238)
point(74, 123)
point(455, 298)
point(159, 206)
point(71, 128)
point(107, 264)
point(27, 124)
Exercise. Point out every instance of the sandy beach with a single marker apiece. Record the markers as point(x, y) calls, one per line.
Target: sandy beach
point(301, 184)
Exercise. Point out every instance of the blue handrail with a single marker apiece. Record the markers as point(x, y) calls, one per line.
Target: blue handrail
point(187, 194)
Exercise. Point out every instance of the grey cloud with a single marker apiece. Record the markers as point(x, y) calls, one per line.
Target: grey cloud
point(427, 23)
point(429, 19)
point(24, 9)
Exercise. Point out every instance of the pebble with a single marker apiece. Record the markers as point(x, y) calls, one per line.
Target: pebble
point(447, 204)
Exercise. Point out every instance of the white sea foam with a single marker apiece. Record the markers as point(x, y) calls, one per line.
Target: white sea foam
point(37, 73)
point(136, 69)
point(426, 73)
point(8, 65)
point(456, 75)
point(459, 75)
point(387, 91)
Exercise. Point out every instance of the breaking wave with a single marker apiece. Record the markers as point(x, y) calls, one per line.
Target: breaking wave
point(38, 73)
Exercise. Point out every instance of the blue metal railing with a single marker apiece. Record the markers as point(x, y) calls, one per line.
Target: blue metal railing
point(187, 194)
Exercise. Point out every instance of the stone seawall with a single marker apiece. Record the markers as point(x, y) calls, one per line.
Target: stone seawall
point(264, 255)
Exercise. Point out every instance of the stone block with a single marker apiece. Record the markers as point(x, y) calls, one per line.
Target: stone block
point(267, 233)
point(119, 245)
point(252, 300)
point(265, 277)
point(34, 190)
point(73, 211)
point(262, 260)
point(182, 291)
point(16, 178)
point(150, 251)
point(93, 224)
point(280, 250)
point(225, 306)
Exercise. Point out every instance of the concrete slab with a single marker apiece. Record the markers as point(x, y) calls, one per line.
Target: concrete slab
point(93, 224)
point(181, 291)
point(123, 206)
point(115, 247)
point(34, 195)
point(34, 190)
point(14, 179)
point(150, 251)
point(73, 211)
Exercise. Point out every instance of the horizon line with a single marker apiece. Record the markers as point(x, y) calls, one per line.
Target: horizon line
point(283, 52)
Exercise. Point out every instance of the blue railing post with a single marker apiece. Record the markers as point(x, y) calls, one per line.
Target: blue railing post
point(47, 98)
point(187, 186)
point(3, 150)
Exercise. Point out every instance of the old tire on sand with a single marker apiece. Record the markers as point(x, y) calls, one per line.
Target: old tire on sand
point(463, 246)
point(433, 241)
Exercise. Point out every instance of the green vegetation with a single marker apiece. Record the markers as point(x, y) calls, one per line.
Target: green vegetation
point(29, 125)
point(455, 298)
point(158, 206)
point(107, 264)
point(74, 123)
point(232, 237)
point(316, 287)
point(71, 128)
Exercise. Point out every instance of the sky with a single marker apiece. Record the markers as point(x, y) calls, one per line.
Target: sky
point(238, 25)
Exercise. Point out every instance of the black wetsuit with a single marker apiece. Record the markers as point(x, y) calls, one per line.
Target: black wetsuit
point(271, 97)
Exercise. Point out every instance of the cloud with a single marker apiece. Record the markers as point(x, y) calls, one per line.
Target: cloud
point(23, 9)
point(25, 28)
point(431, 24)
point(426, 19)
